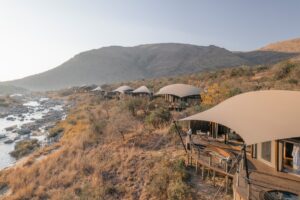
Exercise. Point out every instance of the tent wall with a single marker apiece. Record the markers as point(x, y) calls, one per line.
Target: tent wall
point(272, 163)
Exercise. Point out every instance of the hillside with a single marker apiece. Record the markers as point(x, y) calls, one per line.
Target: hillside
point(9, 89)
point(115, 63)
point(288, 46)
point(110, 151)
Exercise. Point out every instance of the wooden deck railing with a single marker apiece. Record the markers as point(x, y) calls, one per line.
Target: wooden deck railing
point(214, 162)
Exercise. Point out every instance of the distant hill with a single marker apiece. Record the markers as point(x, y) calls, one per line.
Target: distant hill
point(9, 89)
point(288, 46)
point(116, 63)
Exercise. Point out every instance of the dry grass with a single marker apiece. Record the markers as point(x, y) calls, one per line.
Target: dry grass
point(108, 152)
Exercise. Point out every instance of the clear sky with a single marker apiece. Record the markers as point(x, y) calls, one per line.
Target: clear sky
point(37, 35)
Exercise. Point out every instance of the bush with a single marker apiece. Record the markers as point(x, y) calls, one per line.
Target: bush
point(55, 132)
point(284, 71)
point(262, 68)
point(99, 126)
point(72, 122)
point(134, 104)
point(169, 181)
point(241, 71)
point(24, 148)
point(173, 129)
point(177, 190)
point(234, 91)
point(293, 81)
point(158, 117)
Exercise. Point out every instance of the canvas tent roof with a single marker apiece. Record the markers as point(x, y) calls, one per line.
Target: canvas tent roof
point(142, 89)
point(97, 89)
point(123, 89)
point(258, 116)
point(180, 90)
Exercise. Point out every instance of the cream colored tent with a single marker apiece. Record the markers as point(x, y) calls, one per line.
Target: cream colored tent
point(123, 89)
point(97, 89)
point(142, 89)
point(179, 90)
point(258, 116)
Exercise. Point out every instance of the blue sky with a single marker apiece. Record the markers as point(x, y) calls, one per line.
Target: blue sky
point(38, 35)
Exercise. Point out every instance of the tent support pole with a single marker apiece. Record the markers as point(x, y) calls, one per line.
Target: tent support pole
point(246, 164)
point(177, 130)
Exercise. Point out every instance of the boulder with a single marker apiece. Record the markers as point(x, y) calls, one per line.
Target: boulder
point(9, 141)
point(24, 131)
point(2, 136)
point(10, 119)
point(11, 128)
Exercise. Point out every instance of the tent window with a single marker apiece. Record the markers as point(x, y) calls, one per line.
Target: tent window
point(266, 151)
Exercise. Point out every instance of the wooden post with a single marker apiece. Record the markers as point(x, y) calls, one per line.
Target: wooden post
point(202, 172)
point(214, 178)
point(191, 156)
point(248, 191)
point(237, 178)
point(226, 184)
point(188, 159)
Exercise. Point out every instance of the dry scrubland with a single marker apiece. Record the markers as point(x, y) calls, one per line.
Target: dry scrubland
point(128, 149)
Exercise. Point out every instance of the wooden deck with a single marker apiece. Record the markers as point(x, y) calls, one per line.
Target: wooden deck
point(264, 178)
point(208, 158)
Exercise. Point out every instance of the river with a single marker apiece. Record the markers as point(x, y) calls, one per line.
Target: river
point(39, 114)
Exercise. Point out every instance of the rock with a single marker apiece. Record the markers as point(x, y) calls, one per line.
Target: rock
point(32, 126)
point(17, 138)
point(10, 119)
point(9, 141)
point(11, 128)
point(2, 136)
point(24, 131)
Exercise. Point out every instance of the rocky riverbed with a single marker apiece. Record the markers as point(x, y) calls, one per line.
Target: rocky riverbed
point(29, 119)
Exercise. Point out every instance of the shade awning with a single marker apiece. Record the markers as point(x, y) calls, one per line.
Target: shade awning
point(123, 89)
point(180, 90)
point(258, 116)
point(142, 89)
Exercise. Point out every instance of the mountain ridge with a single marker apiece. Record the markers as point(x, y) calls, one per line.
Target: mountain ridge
point(290, 46)
point(117, 63)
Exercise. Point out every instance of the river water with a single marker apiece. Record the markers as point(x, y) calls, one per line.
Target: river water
point(37, 111)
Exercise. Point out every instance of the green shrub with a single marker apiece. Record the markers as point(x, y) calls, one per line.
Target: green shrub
point(99, 126)
point(158, 117)
point(134, 104)
point(241, 71)
point(284, 71)
point(173, 129)
point(234, 91)
point(262, 68)
point(55, 132)
point(293, 81)
point(72, 122)
point(170, 181)
point(177, 190)
point(24, 148)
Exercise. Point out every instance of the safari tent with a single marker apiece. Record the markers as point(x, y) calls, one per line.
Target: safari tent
point(177, 93)
point(142, 91)
point(268, 123)
point(123, 89)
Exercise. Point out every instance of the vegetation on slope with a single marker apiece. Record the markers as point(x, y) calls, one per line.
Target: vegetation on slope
point(292, 46)
point(127, 149)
